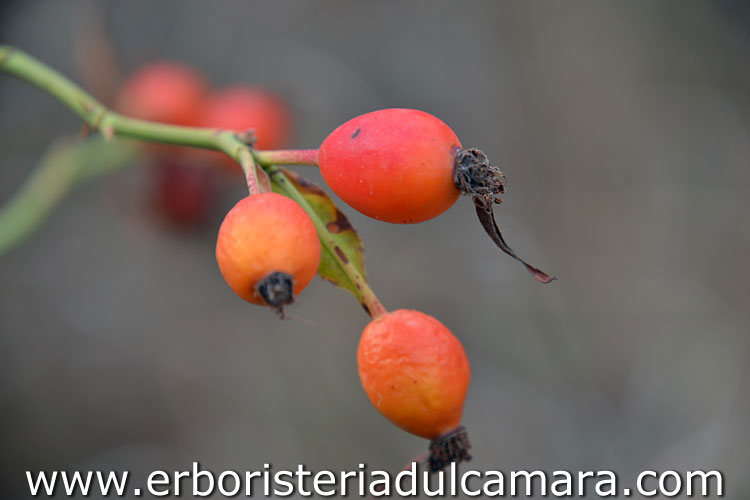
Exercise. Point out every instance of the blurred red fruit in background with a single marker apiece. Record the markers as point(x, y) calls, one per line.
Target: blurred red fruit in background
point(164, 91)
point(182, 195)
point(241, 108)
point(244, 107)
point(170, 92)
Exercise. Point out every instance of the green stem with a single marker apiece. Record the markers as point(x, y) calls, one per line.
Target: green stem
point(99, 118)
point(364, 294)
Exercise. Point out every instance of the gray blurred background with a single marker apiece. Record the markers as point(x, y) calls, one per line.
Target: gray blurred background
point(624, 131)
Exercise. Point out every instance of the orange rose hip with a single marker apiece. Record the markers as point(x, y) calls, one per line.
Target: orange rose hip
point(268, 250)
point(416, 374)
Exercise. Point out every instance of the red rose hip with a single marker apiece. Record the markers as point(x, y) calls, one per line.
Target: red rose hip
point(406, 166)
point(395, 165)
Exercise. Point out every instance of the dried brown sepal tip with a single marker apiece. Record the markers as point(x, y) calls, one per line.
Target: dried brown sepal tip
point(450, 447)
point(277, 290)
point(475, 176)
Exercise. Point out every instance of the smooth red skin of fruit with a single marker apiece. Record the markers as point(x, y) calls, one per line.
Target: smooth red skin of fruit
point(395, 165)
point(167, 92)
point(414, 371)
point(264, 233)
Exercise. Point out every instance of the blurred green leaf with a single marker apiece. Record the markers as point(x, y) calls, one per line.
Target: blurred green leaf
point(67, 162)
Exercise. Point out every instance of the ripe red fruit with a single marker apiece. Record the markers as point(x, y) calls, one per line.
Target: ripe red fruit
point(395, 165)
point(167, 92)
point(416, 374)
point(406, 166)
point(268, 250)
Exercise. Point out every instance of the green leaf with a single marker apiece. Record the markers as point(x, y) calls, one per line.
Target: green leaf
point(340, 244)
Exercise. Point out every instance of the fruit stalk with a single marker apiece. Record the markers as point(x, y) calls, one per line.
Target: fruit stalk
point(288, 157)
point(110, 124)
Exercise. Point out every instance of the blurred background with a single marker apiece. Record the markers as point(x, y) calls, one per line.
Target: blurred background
point(624, 132)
